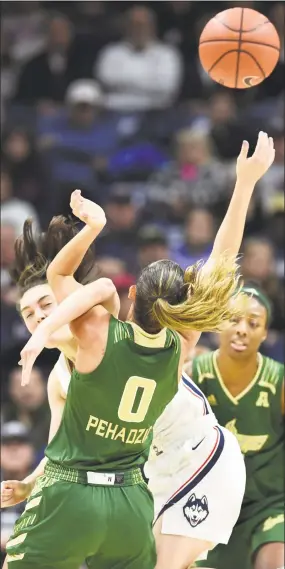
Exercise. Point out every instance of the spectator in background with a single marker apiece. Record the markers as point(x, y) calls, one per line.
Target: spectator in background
point(258, 264)
point(14, 211)
point(195, 178)
point(110, 267)
point(97, 24)
point(152, 246)
point(29, 175)
point(118, 238)
point(8, 72)
point(44, 79)
point(122, 283)
point(270, 187)
point(17, 461)
point(198, 238)
point(78, 139)
point(139, 73)
point(275, 228)
point(275, 87)
point(29, 406)
point(8, 236)
point(25, 24)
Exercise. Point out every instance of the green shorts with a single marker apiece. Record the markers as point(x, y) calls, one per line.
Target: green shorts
point(248, 536)
point(68, 521)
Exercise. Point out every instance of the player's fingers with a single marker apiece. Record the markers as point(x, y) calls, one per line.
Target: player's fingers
point(261, 147)
point(75, 198)
point(244, 149)
point(6, 492)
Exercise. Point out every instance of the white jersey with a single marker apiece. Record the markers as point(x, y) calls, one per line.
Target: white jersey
point(62, 371)
point(186, 420)
point(195, 469)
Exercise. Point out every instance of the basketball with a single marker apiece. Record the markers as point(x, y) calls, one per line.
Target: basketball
point(239, 48)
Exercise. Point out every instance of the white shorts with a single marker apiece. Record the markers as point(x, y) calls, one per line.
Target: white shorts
point(203, 500)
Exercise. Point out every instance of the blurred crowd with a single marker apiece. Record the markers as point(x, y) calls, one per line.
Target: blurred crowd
point(109, 97)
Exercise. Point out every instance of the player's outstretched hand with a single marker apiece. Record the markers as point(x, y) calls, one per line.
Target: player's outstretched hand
point(13, 492)
point(31, 351)
point(250, 170)
point(87, 211)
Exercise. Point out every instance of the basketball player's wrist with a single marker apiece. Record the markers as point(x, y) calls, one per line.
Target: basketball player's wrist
point(29, 483)
point(244, 188)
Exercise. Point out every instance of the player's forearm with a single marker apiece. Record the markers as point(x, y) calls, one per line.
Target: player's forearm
point(77, 304)
point(39, 470)
point(229, 237)
point(69, 258)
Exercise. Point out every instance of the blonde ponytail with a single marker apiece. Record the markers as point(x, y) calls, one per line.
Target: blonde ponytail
point(207, 305)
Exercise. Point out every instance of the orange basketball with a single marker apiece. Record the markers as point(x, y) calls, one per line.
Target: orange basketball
point(239, 48)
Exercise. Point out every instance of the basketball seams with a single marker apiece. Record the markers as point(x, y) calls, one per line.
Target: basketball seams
point(243, 31)
point(239, 51)
point(221, 57)
point(256, 62)
point(236, 40)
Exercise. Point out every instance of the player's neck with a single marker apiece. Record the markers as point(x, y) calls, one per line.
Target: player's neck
point(235, 371)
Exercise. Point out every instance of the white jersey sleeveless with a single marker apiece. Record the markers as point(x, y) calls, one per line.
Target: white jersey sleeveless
point(186, 420)
point(195, 470)
point(62, 371)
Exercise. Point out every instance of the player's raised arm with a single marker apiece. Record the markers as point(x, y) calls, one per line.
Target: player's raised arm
point(60, 273)
point(249, 171)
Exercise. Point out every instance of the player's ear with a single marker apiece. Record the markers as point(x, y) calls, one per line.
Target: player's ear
point(132, 293)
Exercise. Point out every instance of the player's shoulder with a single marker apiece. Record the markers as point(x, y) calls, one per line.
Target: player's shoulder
point(204, 364)
point(271, 370)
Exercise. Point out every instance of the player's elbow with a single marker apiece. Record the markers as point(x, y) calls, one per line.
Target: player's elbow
point(101, 290)
point(53, 274)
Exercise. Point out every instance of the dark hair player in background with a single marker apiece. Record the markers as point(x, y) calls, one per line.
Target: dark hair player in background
point(246, 391)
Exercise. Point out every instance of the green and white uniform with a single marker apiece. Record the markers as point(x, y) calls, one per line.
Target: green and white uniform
point(92, 502)
point(255, 417)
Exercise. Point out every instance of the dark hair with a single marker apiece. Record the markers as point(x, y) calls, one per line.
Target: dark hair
point(162, 279)
point(194, 299)
point(253, 290)
point(34, 253)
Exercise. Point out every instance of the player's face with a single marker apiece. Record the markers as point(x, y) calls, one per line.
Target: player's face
point(36, 304)
point(244, 335)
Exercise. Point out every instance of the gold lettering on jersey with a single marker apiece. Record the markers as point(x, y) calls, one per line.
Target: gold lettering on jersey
point(92, 422)
point(271, 522)
point(268, 385)
point(212, 400)
point(111, 431)
point(139, 438)
point(121, 435)
point(262, 400)
point(247, 443)
point(132, 436)
point(107, 430)
point(146, 434)
point(101, 428)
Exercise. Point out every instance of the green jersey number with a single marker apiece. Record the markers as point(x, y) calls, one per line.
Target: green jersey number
point(125, 411)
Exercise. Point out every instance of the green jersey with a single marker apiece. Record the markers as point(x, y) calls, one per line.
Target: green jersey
point(109, 413)
point(255, 417)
